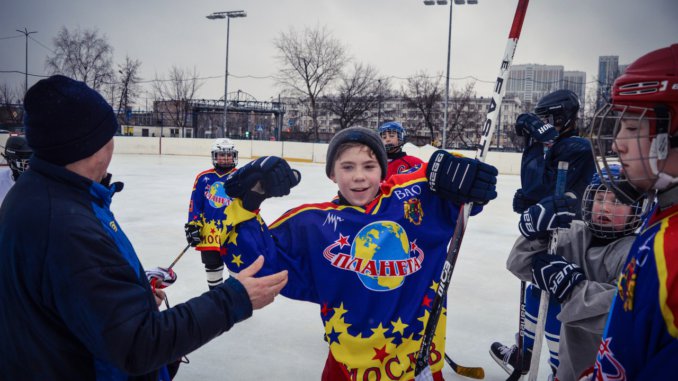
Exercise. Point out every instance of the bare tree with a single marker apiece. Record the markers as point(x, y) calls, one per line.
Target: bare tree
point(359, 91)
point(11, 113)
point(82, 55)
point(464, 120)
point(174, 95)
point(423, 93)
point(129, 82)
point(309, 62)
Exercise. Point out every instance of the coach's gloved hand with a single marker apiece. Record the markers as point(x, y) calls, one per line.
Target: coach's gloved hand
point(461, 179)
point(531, 124)
point(268, 176)
point(550, 213)
point(555, 275)
point(521, 202)
point(192, 230)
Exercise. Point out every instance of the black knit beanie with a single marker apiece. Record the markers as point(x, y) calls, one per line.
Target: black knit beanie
point(361, 135)
point(66, 120)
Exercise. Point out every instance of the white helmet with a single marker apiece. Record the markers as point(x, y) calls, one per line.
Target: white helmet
point(224, 146)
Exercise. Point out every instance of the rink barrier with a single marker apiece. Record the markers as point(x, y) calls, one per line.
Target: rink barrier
point(508, 163)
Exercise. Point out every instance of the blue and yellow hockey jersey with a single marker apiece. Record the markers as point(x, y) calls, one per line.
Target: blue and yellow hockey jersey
point(208, 201)
point(373, 270)
point(641, 338)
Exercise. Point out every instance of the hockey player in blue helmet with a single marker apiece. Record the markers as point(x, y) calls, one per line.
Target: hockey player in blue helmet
point(393, 135)
point(17, 153)
point(582, 276)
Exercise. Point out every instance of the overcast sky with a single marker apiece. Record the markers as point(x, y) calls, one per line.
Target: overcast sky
point(398, 37)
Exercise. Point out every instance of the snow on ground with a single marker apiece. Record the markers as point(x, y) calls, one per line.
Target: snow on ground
point(284, 341)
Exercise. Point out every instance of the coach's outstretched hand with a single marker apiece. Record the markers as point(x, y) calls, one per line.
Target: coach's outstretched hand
point(264, 289)
point(268, 176)
point(461, 179)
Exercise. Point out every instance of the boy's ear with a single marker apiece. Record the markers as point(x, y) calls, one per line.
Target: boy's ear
point(333, 177)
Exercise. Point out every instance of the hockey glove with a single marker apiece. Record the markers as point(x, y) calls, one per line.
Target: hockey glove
point(531, 124)
point(268, 176)
point(555, 275)
point(521, 202)
point(192, 230)
point(461, 179)
point(160, 277)
point(553, 212)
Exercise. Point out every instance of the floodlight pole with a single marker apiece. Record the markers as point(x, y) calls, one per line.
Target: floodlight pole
point(228, 15)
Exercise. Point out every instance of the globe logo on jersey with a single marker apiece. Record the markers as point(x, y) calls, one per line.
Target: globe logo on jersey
point(381, 255)
point(216, 195)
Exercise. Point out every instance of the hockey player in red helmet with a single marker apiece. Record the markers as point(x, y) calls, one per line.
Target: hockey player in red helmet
point(639, 130)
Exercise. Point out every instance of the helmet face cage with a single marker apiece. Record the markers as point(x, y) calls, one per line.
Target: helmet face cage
point(398, 129)
point(224, 147)
point(625, 134)
point(606, 216)
point(17, 153)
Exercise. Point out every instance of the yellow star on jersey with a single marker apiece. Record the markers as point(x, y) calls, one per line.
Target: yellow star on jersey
point(379, 331)
point(233, 237)
point(423, 320)
point(434, 286)
point(237, 259)
point(399, 326)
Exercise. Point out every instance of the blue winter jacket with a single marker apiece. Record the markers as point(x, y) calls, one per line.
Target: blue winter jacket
point(75, 302)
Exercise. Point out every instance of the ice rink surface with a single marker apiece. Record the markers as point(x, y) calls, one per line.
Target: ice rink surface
point(284, 341)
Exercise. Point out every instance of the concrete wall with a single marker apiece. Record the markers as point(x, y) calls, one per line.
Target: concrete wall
point(506, 162)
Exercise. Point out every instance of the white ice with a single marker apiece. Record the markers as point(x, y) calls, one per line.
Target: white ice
point(284, 341)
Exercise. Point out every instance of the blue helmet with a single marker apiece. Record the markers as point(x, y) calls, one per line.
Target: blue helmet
point(399, 129)
point(602, 222)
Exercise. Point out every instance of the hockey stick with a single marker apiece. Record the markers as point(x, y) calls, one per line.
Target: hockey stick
point(465, 209)
point(179, 257)
point(544, 300)
point(518, 370)
point(466, 371)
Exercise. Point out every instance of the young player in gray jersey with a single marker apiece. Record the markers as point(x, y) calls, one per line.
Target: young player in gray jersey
point(582, 275)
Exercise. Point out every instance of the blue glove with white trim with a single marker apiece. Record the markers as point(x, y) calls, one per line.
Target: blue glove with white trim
point(553, 212)
point(555, 275)
point(528, 123)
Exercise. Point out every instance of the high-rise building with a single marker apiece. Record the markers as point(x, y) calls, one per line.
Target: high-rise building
point(530, 82)
point(575, 81)
point(608, 71)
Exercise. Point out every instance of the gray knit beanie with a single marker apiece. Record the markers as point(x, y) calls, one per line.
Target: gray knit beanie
point(361, 135)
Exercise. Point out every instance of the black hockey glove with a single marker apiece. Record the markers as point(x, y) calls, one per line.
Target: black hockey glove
point(553, 212)
point(531, 124)
point(555, 275)
point(461, 179)
point(268, 176)
point(192, 230)
point(521, 202)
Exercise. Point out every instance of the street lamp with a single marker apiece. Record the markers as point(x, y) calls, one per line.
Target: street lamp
point(449, 48)
point(26, 33)
point(228, 15)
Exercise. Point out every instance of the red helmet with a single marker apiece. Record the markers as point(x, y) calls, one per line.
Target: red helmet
point(651, 81)
point(646, 94)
